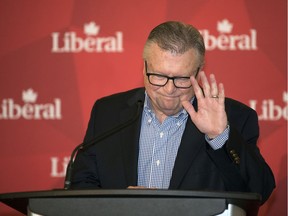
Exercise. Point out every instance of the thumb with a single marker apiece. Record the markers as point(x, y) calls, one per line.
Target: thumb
point(189, 108)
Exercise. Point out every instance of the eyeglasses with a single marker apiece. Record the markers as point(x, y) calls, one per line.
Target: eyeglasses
point(161, 80)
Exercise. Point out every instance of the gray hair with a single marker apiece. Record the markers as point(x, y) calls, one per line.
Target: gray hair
point(176, 37)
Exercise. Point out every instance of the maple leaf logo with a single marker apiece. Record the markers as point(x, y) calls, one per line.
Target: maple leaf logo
point(91, 29)
point(224, 26)
point(29, 96)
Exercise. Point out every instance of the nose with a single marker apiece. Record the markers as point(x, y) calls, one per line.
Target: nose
point(170, 87)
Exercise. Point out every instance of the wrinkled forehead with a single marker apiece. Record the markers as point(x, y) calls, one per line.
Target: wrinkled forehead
point(152, 52)
point(157, 57)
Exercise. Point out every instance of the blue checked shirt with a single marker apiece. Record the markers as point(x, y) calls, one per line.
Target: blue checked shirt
point(159, 145)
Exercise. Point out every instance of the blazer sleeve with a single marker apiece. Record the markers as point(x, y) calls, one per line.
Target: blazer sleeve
point(240, 161)
point(84, 173)
point(85, 170)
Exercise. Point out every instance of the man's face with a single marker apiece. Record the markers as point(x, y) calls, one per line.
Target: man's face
point(166, 100)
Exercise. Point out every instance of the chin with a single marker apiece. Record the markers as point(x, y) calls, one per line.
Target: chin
point(169, 111)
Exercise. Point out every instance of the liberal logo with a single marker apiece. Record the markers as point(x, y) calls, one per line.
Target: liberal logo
point(226, 40)
point(29, 110)
point(70, 42)
point(269, 111)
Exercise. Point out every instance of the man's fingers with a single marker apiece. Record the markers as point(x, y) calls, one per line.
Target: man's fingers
point(209, 89)
point(214, 88)
point(221, 93)
point(189, 108)
point(205, 84)
point(197, 90)
point(140, 187)
point(136, 187)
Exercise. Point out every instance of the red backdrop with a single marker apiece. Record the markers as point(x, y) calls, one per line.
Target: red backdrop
point(58, 57)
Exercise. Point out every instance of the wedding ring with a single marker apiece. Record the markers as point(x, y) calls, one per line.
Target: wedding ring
point(215, 96)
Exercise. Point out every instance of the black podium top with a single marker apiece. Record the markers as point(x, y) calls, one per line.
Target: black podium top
point(249, 202)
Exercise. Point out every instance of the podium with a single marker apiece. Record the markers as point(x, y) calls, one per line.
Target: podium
point(132, 202)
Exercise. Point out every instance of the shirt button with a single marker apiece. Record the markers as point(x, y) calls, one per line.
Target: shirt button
point(149, 121)
point(158, 162)
point(161, 134)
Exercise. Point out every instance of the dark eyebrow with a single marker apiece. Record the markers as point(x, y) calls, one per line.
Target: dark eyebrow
point(174, 77)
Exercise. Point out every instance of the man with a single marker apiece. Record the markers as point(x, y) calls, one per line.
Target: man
point(186, 136)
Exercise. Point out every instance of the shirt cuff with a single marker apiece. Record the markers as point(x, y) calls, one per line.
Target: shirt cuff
point(219, 141)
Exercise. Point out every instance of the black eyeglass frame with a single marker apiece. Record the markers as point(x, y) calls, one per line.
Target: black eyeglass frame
point(167, 77)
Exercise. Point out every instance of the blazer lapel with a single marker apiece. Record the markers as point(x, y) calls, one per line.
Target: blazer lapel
point(130, 138)
point(192, 141)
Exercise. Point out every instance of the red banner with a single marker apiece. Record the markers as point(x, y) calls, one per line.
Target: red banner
point(58, 57)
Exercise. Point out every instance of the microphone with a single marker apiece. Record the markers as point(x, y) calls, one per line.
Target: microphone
point(95, 140)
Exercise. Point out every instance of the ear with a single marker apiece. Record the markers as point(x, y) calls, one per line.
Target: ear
point(144, 65)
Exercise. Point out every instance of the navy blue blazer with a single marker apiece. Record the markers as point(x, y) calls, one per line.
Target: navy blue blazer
point(112, 163)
